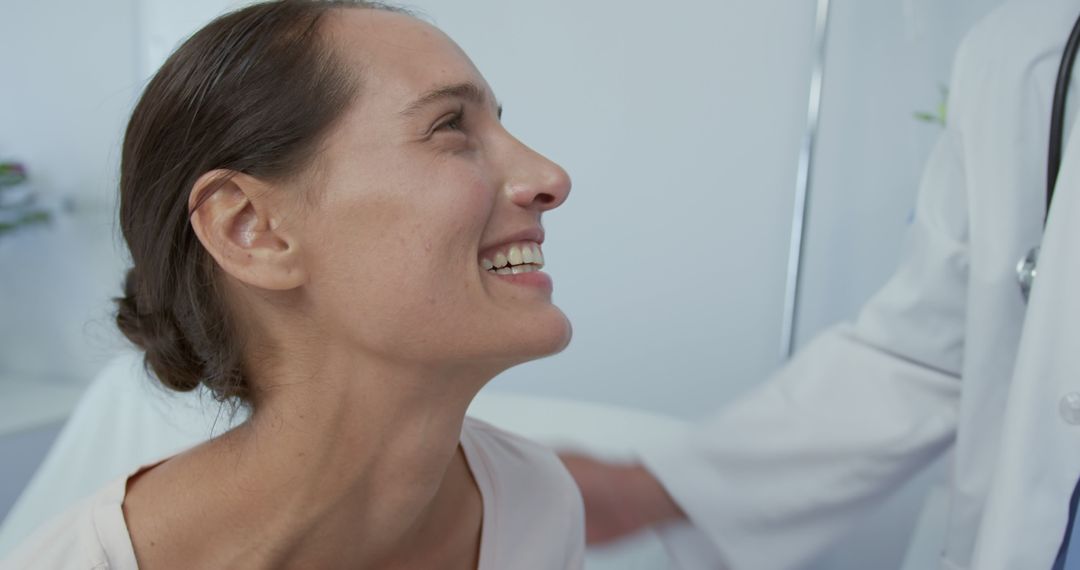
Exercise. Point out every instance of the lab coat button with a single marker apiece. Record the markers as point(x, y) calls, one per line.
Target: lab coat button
point(1070, 408)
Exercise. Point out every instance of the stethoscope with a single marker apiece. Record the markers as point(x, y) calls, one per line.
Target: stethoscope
point(1027, 269)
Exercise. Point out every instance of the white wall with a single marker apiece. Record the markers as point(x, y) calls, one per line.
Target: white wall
point(69, 81)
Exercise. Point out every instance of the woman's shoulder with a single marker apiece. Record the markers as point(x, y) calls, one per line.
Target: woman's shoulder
point(508, 442)
point(518, 461)
point(532, 508)
point(91, 535)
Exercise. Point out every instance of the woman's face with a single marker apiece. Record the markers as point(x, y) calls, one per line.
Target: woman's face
point(420, 194)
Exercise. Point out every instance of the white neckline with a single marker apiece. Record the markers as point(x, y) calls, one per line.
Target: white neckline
point(481, 472)
point(112, 503)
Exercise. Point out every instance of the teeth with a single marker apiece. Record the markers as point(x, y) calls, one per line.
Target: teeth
point(515, 256)
point(519, 258)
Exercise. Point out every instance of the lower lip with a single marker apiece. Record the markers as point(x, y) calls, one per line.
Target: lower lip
point(537, 279)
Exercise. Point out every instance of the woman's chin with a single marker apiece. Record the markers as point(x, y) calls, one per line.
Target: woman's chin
point(504, 344)
point(550, 338)
point(545, 336)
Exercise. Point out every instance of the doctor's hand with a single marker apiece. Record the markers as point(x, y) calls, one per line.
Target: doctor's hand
point(620, 499)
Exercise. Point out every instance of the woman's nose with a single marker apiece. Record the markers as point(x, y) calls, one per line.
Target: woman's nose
point(536, 182)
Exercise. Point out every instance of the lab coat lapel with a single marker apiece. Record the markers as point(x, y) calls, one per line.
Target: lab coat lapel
point(1027, 509)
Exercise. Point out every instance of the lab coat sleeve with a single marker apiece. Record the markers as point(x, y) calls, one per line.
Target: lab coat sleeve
point(783, 473)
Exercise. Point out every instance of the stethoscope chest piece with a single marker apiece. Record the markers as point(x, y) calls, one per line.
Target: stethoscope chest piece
point(1026, 271)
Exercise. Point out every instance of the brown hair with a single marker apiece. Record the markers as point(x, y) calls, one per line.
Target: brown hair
point(253, 92)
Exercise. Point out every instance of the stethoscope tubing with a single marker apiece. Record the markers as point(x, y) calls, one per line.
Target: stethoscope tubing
point(1027, 268)
point(1057, 113)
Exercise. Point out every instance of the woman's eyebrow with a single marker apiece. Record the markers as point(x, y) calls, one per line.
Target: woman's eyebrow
point(468, 91)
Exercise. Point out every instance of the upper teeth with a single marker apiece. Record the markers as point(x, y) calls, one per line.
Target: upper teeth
point(514, 258)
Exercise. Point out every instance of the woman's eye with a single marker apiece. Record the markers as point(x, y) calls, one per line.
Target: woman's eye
point(451, 123)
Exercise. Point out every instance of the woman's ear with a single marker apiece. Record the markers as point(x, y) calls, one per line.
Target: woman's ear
point(238, 223)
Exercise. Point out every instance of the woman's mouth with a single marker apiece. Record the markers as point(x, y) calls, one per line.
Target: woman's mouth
point(514, 259)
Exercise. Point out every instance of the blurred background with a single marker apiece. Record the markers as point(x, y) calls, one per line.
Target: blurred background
point(682, 125)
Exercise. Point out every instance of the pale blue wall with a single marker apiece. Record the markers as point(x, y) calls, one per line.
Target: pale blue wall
point(22, 453)
point(67, 85)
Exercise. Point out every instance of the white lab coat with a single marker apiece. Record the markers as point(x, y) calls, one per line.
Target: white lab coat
point(944, 356)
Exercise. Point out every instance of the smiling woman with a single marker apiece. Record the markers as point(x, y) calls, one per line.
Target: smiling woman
point(329, 225)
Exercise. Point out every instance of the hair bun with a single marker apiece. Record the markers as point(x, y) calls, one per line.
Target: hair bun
point(127, 313)
point(169, 356)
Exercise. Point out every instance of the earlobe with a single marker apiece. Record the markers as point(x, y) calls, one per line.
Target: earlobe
point(235, 220)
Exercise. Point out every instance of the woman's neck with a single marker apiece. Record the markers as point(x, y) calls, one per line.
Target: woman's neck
point(334, 469)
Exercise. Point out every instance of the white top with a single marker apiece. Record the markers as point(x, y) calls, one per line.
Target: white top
point(533, 514)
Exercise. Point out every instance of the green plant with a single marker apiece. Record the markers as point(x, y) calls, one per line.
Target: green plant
point(18, 207)
point(937, 116)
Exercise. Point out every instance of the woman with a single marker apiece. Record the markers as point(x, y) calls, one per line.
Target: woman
point(329, 224)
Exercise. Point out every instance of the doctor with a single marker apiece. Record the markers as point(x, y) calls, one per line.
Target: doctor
point(948, 355)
